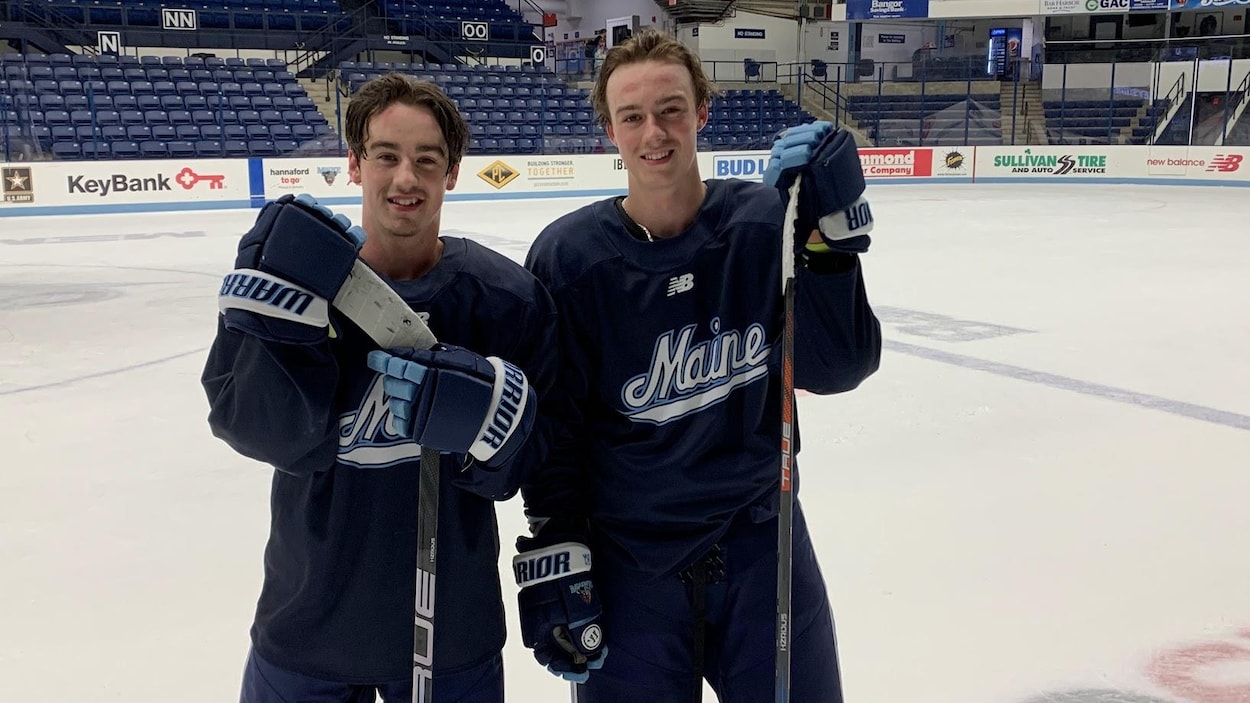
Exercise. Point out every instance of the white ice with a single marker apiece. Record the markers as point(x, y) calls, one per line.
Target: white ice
point(1042, 496)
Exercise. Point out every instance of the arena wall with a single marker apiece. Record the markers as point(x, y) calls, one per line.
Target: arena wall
point(91, 187)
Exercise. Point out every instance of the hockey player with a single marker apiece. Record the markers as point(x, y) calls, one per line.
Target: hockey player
point(670, 330)
point(340, 420)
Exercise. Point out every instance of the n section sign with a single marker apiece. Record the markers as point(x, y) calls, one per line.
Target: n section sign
point(886, 9)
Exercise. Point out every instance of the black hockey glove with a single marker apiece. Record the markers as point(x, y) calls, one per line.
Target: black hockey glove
point(451, 399)
point(831, 195)
point(560, 612)
point(290, 266)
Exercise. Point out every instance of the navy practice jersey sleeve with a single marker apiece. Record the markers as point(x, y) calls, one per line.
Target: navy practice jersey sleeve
point(340, 566)
point(670, 374)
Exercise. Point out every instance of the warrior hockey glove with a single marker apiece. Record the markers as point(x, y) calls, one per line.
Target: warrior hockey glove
point(449, 398)
point(289, 266)
point(559, 609)
point(831, 197)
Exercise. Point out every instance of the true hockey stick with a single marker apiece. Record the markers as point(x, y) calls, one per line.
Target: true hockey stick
point(785, 513)
point(382, 314)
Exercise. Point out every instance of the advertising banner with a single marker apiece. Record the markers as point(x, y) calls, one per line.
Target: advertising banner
point(70, 187)
point(1207, 4)
point(319, 177)
point(1199, 163)
point(1067, 7)
point(1051, 162)
point(545, 176)
point(886, 9)
point(905, 162)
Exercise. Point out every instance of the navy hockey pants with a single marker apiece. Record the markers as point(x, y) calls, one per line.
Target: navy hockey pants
point(649, 629)
point(265, 683)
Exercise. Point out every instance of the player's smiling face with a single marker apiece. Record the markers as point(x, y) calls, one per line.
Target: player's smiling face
point(403, 175)
point(655, 121)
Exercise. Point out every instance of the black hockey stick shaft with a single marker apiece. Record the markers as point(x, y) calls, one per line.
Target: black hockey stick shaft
point(389, 321)
point(427, 555)
point(785, 514)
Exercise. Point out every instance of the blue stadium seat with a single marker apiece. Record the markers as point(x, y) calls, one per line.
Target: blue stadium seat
point(209, 149)
point(181, 149)
point(153, 150)
point(96, 150)
point(261, 147)
point(123, 149)
point(66, 150)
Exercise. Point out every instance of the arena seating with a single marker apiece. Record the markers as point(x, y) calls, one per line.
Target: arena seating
point(149, 107)
point(523, 109)
point(914, 119)
point(235, 15)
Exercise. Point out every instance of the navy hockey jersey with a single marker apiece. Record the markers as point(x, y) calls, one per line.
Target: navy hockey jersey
point(670, 368)
point(340, 565)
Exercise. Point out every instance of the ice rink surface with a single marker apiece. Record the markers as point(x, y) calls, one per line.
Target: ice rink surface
point(1043, 496)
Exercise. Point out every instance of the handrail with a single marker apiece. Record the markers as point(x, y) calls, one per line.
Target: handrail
point(316, 44)
point(65, 27)
point(826, 95)
point(1236, 110)
point(1174, 106)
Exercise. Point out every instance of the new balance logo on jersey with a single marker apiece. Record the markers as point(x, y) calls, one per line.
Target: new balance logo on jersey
point(686, 377)
point(366, 440)
point(1225, 163)
point(680, 284)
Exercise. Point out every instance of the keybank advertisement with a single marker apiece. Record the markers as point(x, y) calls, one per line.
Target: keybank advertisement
point(95, 183)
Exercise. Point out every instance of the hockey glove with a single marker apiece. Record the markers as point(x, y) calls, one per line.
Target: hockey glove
point(831, 196)
point(559, 609)
point(453, 400)
point(290, 265)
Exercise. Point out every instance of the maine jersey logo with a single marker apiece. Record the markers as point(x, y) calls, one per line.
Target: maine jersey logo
point(686, 377)
point(366, 440)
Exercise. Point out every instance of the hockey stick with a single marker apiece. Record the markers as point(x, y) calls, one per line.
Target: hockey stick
point(785, 513)
point(382, 314)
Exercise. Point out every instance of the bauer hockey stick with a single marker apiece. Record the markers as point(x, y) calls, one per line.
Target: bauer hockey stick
point(785, 512)
point(377, 309)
